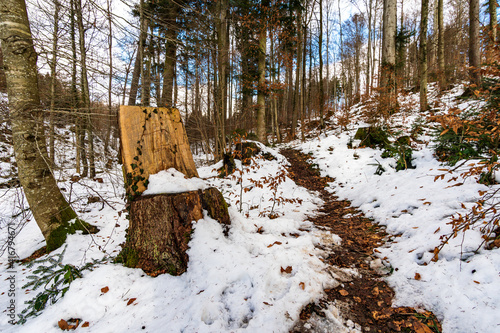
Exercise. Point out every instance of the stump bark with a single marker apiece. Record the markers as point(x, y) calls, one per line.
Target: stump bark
point(161, 226)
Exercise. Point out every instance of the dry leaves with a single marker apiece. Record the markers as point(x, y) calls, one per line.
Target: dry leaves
point(287, 270)
point(275, 243)
point(130, 301)
point(104, 290)
point(343, 292)
point(417, 276)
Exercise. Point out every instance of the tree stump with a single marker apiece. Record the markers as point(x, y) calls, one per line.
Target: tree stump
point(161, 226)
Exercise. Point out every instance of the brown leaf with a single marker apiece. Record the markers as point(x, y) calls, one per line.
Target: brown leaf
point(130, 301)
point(417, 276)
point(477, 282)
point(286, 270)
point(343, 292)
point(63, 324)
point(375, 291)
point(275, 243)
point(267, 303)
point(302, 285)
point(104, 290)
point(86, 324)
point(421, 328)
point(357, 299)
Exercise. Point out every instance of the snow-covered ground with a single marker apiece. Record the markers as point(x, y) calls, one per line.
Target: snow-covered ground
point(240, 282)
point(462, 286)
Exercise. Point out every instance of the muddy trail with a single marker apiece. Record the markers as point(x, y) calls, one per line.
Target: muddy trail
point(363, 300)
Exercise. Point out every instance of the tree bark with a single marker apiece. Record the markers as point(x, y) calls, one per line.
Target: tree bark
point(161, 226)
point(423, 54)
point(50, 209)
point(53, 80)
point(388, 80)
point(321, 88)
point(441, 65)
point(492, 9)
point(474, 52)
point(223, 70)
point(261, 91)
point(136, 74)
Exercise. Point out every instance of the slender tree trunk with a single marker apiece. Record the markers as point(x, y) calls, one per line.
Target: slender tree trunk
point(423, 55)
point(74, 91)
point(369, 49)
point(223, 64)
point(321, 87)
point(138, 65)
point(261, 92)
point(388, 79)
point(298, 73)
point(146, 84)
point(85, 90)
point(441, 65)
point(170, 57)
point(474, 52)
point(50, 209)
point(492, 9)
point(53, 80)
point(110, 79)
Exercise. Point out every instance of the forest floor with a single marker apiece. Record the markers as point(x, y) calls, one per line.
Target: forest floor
point(363, 298)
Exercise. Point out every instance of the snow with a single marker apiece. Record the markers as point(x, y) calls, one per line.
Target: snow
point(236, 283)
point(172, 181)
point(233, 283)
point(461, 288)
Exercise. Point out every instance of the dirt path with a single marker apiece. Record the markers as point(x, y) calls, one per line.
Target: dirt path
point(365, 299)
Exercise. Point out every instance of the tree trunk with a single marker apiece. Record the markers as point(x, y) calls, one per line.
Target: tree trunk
point(53, 64)
point(136, 74)
point(321, 88)
point(440, 47)
point(223, 66)
point(170, 57)
point(85, 90)
point(388, 80)
point(474, 52)
point(423, 55)
point(161, 226)
point(50, 209)
point(261, 91)
point(492, 9)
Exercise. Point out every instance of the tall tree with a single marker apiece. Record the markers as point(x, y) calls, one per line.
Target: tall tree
point(53, 80)
point(387, 82)
point(84, 82)
point(441, 64)
point(261, 91)
point(321, 88)
point(474, 52)
point(423, 54)
point(223, 70)
point(49, 207)
point(492, 9)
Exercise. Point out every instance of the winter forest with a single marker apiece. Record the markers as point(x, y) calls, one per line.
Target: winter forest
point(249, 166)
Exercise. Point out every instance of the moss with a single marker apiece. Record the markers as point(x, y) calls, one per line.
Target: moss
point(57, 237)
point(128, 257)
point(372, 137)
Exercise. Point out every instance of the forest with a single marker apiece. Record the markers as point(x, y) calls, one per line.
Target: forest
point(249, 166)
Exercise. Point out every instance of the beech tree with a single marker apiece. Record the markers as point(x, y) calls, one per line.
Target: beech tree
point(474, 51)
point(423, 55)
point(50, 209)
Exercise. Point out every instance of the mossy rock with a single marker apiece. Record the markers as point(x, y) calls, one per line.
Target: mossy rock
point(372, 137)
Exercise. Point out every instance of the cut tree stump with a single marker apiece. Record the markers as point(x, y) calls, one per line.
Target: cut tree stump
point(154, 139)
point(161, 225)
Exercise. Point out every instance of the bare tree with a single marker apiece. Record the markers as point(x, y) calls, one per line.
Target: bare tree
point(423, 54)
point(474, 52)
point(49, 207)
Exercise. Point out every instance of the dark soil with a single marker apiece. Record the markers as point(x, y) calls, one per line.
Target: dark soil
point(365, 300)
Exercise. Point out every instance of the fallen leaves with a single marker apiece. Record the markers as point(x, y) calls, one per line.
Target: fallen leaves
point(286, 270)
point(130, 301)
point(71, 324)
point(275, 243)
point(343, 292)
point(417, 276)
point(302, 285)
point(104, 290)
